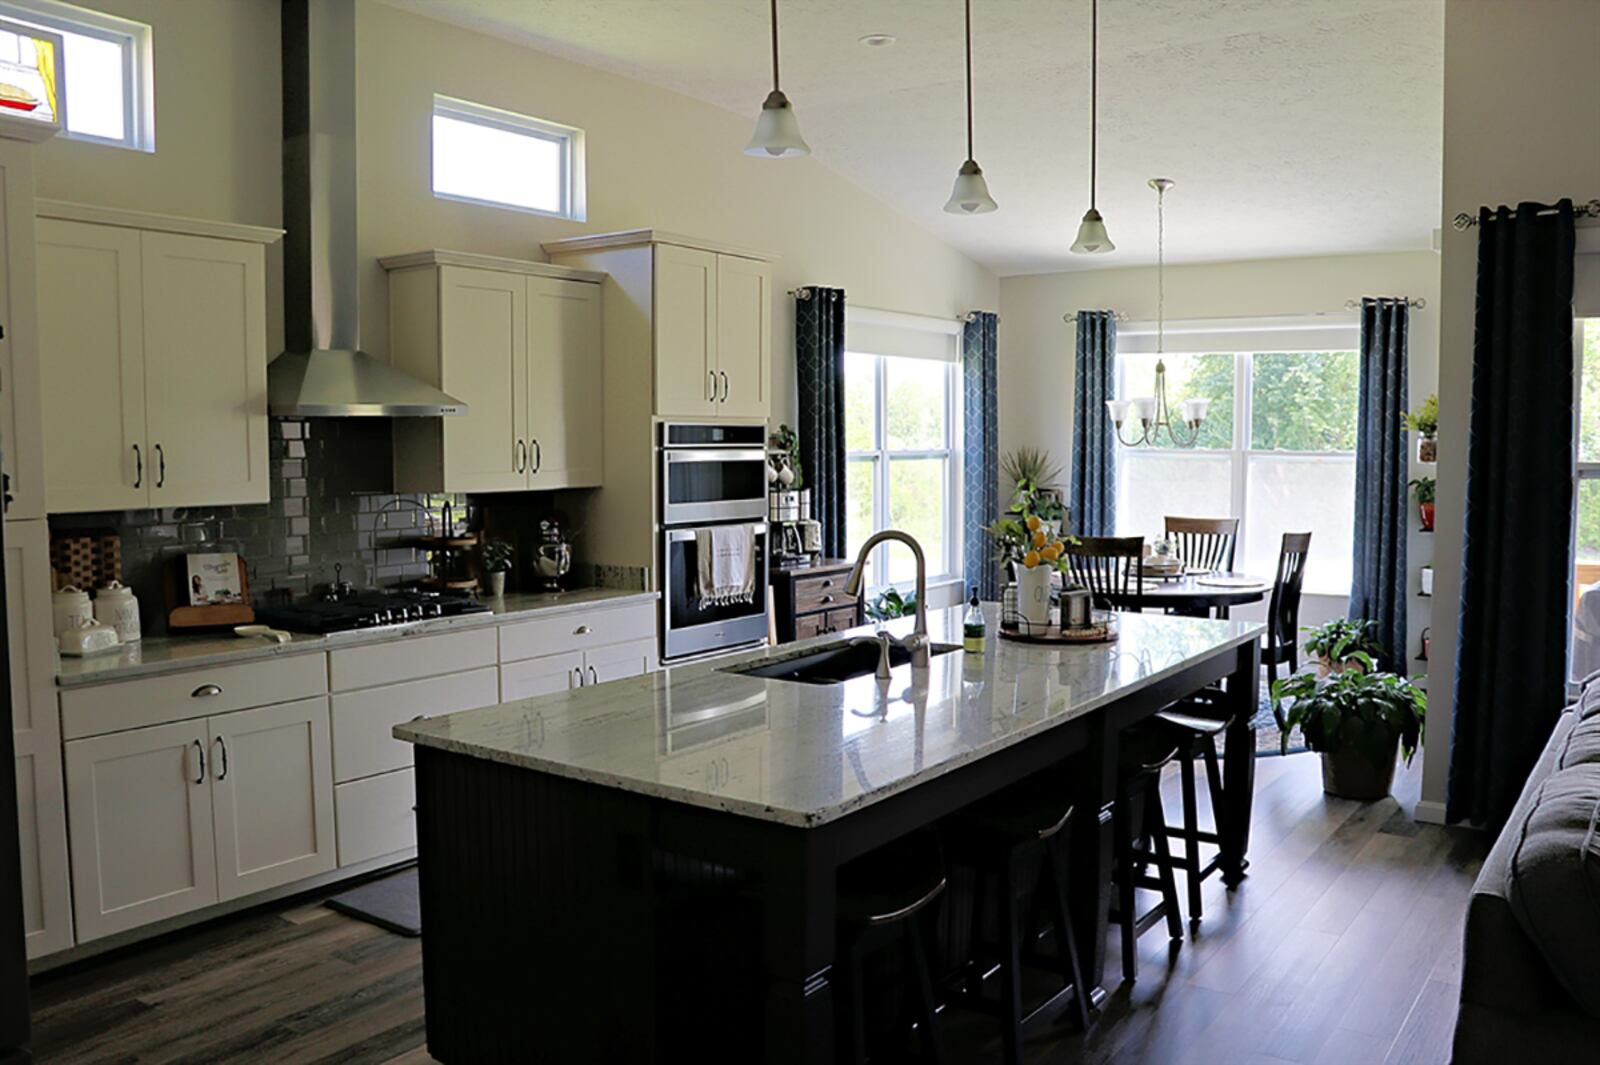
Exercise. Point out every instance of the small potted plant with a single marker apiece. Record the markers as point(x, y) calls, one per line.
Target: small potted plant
point(890, 604)
point(1034, 550)
point(1033, 476)
point(1425, 488)
point(1424, 421)
point(496, 564)
point(1342, 644)
point(1356, 720)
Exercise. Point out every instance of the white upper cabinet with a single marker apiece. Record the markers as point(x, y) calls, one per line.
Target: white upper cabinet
point(686, 332)
point(21, 435)
point(154, 363)
point(744, 336)
point(520, 344)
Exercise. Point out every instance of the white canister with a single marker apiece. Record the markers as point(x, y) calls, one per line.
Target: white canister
point(1033, 596)
point(117, 606)
point(70, 608)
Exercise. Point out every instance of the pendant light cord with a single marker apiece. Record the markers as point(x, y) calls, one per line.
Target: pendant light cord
point(1094, 95)
point(969, 79)
point(774, 45)
point(1161, 271)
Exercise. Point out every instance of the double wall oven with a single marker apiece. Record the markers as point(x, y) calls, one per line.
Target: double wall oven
point(711, 476)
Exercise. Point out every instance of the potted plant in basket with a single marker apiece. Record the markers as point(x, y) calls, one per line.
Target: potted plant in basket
point(1341, 644)
point(496, 564)
point(1424, 421)
point(1356, 720)
point(1425, 488)
point(1034, 550)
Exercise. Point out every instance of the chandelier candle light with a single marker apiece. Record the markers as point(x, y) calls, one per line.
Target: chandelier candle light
point(971, 193)
point(1152, 411)
point(777, 134)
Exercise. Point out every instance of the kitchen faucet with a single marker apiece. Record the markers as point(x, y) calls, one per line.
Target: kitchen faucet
point(917, 642)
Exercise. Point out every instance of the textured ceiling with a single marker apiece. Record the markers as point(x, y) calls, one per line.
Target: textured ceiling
point(1291, 127)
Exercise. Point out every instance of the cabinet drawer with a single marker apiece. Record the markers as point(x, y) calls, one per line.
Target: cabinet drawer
point(824, 622)
point(363, 720)
point(375, 816)
point(577, 631)
point(195, 693)
point(821, 593)
point(411, 657)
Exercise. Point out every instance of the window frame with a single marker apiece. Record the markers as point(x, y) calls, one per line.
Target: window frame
point(948, 568)
point(133, 39)
point(1582, 470)
point(570, 140)
point(1241, 454)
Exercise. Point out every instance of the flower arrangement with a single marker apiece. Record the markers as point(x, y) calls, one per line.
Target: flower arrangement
point(1029, 541)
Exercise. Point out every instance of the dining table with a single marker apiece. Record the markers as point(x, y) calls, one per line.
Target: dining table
point(1195, 594)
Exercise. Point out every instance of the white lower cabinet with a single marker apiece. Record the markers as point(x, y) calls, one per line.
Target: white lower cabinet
point(576, 669)
point(377, 816)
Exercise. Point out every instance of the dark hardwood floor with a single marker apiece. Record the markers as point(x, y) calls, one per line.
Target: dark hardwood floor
point(1342, 947)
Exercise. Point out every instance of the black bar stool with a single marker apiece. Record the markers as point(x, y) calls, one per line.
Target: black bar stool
point(1194, 727)
point(1001, 839)
point(1139, 832)
point(880, 898)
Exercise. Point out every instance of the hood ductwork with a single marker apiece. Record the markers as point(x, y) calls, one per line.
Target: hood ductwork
point(323, 372)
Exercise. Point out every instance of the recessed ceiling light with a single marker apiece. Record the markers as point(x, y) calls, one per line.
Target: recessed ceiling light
point(878, 40)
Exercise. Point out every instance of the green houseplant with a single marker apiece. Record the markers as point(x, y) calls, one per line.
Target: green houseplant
point(891, 604)
point(1424, 421)
point(1425, 488)
point(497, 556)
point(1356, 720)
point(1342, 643)
point(1034, 492)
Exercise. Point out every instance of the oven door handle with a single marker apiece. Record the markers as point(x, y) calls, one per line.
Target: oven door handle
point(716, 455)
point(678, 536)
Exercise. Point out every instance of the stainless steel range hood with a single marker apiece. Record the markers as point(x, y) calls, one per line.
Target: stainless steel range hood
point(323, 371)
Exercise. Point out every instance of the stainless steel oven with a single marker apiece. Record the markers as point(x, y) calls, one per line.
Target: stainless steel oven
point(712, 473)
point(691, 627)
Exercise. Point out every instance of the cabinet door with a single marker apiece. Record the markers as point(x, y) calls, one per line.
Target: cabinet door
point(686, 334)
point(91, 343)
point(565, 383)
point(36, 728)
point(632, 659)
point(205, 349)
point(744, 336)
point(540, 676)
point(272, 789)
point(22, 431)
point(483, 321)
point(139, 821)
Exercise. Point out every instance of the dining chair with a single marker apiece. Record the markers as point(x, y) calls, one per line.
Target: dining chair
point(1110, 567)
point(1283, 609)
point(1205, 544)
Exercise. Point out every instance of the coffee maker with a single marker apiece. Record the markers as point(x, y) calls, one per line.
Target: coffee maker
point(796, 542)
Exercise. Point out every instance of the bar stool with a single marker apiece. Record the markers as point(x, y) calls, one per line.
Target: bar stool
point(1194, 726)
point(880, 897)
point(1000, 839)
point(1139, 831)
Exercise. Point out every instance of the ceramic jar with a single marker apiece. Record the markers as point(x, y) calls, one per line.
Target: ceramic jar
point(1033, 596)
point(69, 609)
point(117, 606)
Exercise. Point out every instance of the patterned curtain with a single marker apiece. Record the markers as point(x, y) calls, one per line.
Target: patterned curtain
point(980, 450)
point(1378, 587)
point(1511, 651)
point(1094, 465)
point(819, 369)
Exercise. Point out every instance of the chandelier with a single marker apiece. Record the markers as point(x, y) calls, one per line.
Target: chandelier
point(1153, 413)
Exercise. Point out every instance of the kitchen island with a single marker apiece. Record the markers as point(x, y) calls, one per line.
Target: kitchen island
point(559, 837)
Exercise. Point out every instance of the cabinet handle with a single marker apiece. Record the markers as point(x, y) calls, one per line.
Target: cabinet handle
point(581, 630)
point(712, 375)
point(538, 455)
point(594, 678)
point(200, 749)
point(575, 677)
point(161, 466)
point(828, 583)
point(205, 691)
point(138, 467)
point(521, 461)
point(826, 599)
point(724, 374)
point(222, 745)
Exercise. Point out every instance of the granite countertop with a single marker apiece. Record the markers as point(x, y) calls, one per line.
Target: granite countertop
point(802, 754)
point(168, 654)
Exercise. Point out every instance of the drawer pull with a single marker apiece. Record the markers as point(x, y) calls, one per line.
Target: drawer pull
point(826, 599)
point(827, 583)
point(581, 630)
point(206, 691)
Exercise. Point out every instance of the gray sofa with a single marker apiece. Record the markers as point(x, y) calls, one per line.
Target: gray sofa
point(1530, 983)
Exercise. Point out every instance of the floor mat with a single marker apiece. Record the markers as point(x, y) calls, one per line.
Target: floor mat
point(391, 902)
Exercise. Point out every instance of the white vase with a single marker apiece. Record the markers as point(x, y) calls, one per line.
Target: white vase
point(1033, 596)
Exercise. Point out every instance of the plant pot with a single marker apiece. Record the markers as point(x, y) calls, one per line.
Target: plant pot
point(1349, 774)
point(1428, 448)
point(1033, 596)
point(497, 583)
point(1426, 510)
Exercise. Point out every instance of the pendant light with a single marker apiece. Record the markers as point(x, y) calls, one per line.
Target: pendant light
point(1092, 236)
point(971, 193)
point(777, 134)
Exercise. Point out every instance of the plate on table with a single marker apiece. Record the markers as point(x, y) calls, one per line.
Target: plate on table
point(1228, 580)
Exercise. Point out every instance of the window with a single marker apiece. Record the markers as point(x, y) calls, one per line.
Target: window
point(1277, 449)
point(901, 472)
point(487, 156)
point(1585, 651)
point(108, 91)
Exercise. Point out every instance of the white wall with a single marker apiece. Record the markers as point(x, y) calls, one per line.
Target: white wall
point(1521, 122)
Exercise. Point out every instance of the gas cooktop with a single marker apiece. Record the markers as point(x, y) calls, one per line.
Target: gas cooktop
point(369, 610)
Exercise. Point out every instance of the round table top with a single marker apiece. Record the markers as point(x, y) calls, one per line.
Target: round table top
point(1196, 590)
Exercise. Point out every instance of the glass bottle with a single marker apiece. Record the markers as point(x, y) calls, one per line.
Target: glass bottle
point(973, 629)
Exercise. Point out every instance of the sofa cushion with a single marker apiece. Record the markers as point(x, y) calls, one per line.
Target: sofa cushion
point(1553, 881)
point(1588, 704)
point(1582, 745)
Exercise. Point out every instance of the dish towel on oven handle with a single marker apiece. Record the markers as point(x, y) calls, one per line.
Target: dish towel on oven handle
point(727, 559)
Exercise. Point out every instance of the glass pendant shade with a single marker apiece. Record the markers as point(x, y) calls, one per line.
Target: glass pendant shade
point(971, 193)
point(1194, 410)
point(1145, 408)
point(777, 134)
point(1118, 409)
point(1092, 236)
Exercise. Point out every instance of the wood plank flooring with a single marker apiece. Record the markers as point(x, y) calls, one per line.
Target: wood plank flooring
point(1342, 947)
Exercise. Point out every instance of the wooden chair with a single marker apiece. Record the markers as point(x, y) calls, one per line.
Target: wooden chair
point(1283, 609)
point(1205, 543)
point(1111, 567)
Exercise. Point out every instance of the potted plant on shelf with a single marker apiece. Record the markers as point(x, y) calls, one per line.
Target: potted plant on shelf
point(1424, 421)
point(496, 564)
point(1425, 488)
point(1034, 550)
point(1356, 720)
point(1342, 644)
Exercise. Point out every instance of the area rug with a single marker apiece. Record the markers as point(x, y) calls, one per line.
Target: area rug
point(391, 902)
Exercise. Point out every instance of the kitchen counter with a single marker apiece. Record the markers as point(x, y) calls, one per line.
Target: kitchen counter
point(167, 654)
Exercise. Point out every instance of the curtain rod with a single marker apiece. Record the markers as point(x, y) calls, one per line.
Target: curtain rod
point(970, 316)
point(1419, 303)
point(1579, 210)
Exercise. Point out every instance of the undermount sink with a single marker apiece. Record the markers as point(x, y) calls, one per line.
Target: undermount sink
point(833, 663)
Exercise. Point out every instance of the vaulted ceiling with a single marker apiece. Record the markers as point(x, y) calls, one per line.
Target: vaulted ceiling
point(1292, 127)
